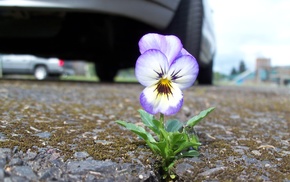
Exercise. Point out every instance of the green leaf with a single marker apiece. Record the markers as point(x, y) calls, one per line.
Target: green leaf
point(194, 139)
point(138, 130)
point(122, 123)
point(190, 153)
point(184, 146)
point(153, 147)
point(163, 150)
point(176, 139)
point(149, 121)
point(141, 133)
point(195, 120)
point(173, 125)
point(156, 124)
point(164, 134)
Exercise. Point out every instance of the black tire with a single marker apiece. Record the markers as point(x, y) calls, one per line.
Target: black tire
point(187, 25)
point(122, 50)
point(205, 76)
point(106, 72)
point(40, 72)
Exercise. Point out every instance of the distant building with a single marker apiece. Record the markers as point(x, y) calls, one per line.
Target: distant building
point(263, 67)
point(263, 63)
point(264, 72)
point(280, 75)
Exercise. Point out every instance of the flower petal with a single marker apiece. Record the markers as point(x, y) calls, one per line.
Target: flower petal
point(170, 45)
point(184, 71)
point(183, 52)
point(150, 66)
point(153, 103)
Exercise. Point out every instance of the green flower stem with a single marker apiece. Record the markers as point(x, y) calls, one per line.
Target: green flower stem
point(162, 119)
point(167, 158)
point(162, 125)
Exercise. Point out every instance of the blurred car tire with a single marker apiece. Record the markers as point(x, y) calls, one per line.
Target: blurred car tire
point(40, 72)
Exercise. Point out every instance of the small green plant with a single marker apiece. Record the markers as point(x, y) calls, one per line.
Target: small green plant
point(165, 68)
point(173, 140)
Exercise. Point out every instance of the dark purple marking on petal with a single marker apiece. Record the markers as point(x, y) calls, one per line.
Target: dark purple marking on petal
point(174, 75)
point(164, 87)
point(160, 75)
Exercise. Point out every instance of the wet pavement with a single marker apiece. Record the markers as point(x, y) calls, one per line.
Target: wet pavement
point(66, 131)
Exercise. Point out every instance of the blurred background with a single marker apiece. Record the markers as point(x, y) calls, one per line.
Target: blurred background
point(252, 46)
point(253, 41)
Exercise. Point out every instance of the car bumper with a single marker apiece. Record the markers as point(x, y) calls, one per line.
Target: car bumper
point(136, 9)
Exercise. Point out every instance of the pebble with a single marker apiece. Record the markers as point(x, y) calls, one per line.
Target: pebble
point(2, 137)
point(81, 155)
point(15, 162)
point(25, 172)
point(256, 152)
point(51, 173)
point(30, 155)
point(212, 171)
point(2, 175)
point(183, 168)
point(43, 135)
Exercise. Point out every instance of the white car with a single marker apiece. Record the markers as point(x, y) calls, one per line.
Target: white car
point(105, 32)
point(27, 64)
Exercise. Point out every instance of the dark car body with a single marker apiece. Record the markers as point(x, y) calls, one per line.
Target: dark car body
point(105, 32)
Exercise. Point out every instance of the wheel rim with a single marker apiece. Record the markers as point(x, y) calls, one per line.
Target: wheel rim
point(40, 73)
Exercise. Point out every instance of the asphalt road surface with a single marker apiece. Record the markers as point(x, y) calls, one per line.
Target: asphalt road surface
point(66, 131)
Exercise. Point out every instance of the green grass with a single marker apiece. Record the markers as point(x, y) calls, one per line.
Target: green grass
point(80, 78)
point(96, 79)
point(125, 79)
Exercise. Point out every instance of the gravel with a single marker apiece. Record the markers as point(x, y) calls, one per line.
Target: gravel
point(66, 131)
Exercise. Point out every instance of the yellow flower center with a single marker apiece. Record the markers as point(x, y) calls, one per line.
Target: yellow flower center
point(163, 87)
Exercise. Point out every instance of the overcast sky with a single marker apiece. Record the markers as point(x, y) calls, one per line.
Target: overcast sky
point(247, 29)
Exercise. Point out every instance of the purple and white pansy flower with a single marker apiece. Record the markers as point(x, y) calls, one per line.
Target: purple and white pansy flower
point(165, 68)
